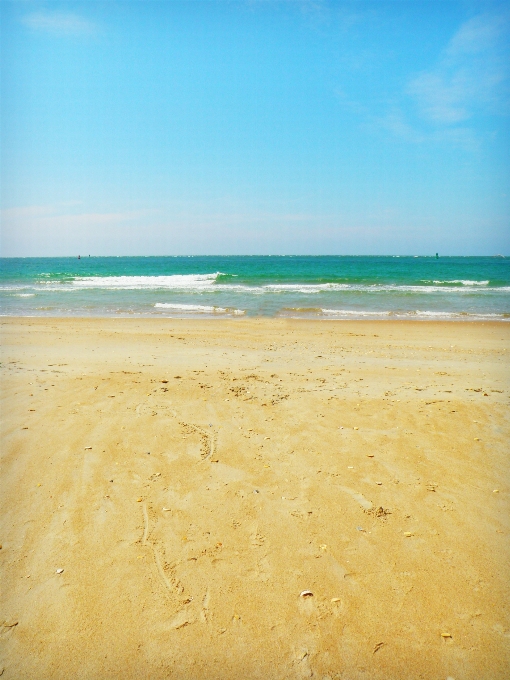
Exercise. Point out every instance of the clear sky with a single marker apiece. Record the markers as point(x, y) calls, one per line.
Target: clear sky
point(255, 127)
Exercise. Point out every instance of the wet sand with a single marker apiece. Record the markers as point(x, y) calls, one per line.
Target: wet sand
point(192, 477)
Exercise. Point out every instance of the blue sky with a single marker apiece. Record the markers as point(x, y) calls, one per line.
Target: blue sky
point(154, 128)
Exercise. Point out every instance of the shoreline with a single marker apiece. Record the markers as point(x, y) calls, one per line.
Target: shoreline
point(192, 477)
point(238, 318)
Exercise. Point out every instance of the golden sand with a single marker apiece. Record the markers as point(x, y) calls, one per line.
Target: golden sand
point(254, 499)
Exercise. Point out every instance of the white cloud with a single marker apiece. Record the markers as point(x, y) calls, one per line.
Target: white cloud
point(478, 34)
point(59, 23)
point(468, 76)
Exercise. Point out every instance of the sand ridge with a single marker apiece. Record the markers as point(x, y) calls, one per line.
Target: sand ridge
point(193, 477)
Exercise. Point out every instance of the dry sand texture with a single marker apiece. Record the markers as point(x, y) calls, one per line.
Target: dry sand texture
point(192, 478)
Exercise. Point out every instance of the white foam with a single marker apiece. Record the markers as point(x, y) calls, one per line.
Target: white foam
point(175, 281)
point(465, 282)
point(352, 312)
point(414, 314)
point(199, 309)
point(209, 282)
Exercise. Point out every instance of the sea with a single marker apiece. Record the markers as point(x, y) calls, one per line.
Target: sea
point(318, 287)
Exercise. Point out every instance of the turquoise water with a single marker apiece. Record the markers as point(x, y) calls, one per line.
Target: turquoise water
point(455, 288)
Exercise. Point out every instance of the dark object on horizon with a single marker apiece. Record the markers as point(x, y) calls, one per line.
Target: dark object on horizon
point(79, 257)
point(437, 256)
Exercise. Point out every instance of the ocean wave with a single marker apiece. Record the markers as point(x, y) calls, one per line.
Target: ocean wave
point(199, 309)
point(352, 312)
point(219, 282)
point(464, 282)
point(369, 288)
point(174, 281)
point(416, 314)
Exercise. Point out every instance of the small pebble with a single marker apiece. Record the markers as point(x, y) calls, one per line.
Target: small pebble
point(306, 593)
point(59, 571)
point(407, 534)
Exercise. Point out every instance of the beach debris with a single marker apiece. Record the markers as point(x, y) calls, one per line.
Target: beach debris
point(431, 487)
point(370, 455)
point(377, 512)
point(356, 428)
point(477, 439)
point(495, 491)
point(335, 599)
point(378, 647)
point(139, 500)
point(164, 381)
point(379, 483)
point(306, 593)
point(166, 509)
point(10, 624)
point(360, 529)
point(407, 534)
point(323, 546)
point(177, 377)
point(88, 448)
point(256, 491)
point(266, 437)
point(446, 635)
point(59, 571)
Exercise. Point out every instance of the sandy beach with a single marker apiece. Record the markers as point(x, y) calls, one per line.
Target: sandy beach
point(252, 498)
